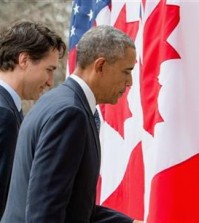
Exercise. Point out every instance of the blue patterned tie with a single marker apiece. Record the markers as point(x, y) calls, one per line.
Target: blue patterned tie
point(97, 120)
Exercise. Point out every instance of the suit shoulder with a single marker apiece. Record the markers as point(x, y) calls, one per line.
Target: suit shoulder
point(6, 116)
point(3, 102)
point(69, 111)
point(68, 115)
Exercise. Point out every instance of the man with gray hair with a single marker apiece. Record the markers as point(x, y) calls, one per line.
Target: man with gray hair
point(57, 160)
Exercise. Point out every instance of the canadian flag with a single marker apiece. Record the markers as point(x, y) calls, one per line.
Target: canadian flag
point(149, 140)
point(171, 151)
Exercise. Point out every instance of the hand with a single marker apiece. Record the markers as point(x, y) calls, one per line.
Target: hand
point(136, 221)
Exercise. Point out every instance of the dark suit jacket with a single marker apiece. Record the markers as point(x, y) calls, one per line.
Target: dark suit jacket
point(10, 121)
point(57, 163)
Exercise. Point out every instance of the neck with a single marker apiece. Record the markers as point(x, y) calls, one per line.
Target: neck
point(11, 78)
point(89, 76)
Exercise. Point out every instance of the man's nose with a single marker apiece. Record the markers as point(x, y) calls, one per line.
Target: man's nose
point(50, 81)
point(129, 82)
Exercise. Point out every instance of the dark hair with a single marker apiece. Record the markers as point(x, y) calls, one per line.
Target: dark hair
point(34, 38)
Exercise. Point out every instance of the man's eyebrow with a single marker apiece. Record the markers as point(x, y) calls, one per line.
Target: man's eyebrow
point(53, 67)
point(129, 68)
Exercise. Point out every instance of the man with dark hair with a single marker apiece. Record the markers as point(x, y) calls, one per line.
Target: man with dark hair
point(29, 53)
point(57, 159)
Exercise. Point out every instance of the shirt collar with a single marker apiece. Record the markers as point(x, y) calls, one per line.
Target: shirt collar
point(13, 94)
point(88, 92)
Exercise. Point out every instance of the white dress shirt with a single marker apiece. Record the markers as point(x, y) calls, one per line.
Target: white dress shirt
point(88, 92)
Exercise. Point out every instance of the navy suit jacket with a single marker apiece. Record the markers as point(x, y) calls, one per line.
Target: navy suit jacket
point(10, 121)
point(57, 163)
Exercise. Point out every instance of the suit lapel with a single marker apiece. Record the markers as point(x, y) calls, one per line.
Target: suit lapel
point(11, 104)
point(78, 90)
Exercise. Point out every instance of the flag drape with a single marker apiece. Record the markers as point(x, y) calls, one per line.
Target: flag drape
point(150, 147)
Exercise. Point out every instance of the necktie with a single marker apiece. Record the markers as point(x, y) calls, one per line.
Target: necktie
point(97, 120)
point(21, 114)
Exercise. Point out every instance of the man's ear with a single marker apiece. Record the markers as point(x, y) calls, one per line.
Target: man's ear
point(99, 64)
point(23, 60)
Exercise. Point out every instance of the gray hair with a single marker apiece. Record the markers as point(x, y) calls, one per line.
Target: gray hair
point(102, 41)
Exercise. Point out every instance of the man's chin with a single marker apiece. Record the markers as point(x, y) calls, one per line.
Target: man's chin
point(42, 92)
point(36, 97)
point(114, 102)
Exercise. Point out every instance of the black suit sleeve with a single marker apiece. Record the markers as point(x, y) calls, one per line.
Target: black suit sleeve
point(8, 137)
point(57, 157)
point(107, 215)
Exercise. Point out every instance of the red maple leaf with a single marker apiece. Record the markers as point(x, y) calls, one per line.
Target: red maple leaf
point(115, 115)
point(156, 50)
